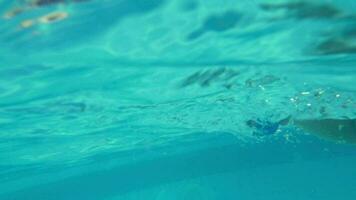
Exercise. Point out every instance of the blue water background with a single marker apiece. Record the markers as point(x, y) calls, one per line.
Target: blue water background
point(148, 99)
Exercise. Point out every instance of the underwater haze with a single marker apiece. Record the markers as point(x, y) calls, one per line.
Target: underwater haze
point(177, 99)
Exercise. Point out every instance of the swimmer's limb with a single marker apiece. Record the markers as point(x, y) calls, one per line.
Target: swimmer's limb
point(337, 130)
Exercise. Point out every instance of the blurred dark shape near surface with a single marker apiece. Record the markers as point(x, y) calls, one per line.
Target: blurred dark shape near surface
point(50, 2)
point(335, 46)
point(340, 41)
point(305, 10)
point(23, 6)
point(205, 78)
point(217, 23)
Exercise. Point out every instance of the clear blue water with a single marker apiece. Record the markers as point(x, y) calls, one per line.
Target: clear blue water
point(178, 99)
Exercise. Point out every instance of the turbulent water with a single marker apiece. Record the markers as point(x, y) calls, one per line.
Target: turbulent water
point(152, 99)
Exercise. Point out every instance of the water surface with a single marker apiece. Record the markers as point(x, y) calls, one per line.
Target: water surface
point(151, 99)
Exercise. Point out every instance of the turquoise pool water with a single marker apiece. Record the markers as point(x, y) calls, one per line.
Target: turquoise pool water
point(178, 99)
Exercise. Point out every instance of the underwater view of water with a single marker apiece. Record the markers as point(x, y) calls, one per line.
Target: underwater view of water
point(177, 99)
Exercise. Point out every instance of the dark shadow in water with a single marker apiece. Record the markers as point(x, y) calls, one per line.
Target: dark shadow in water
point(304, 10)
point(217, 23)
point(205, 78)
point(335, 46)
point(341, 41)
point(52, 2)
point(166, 169)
